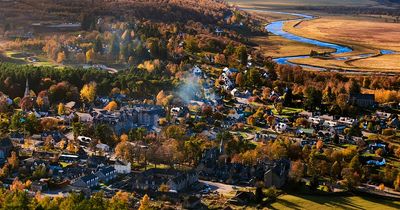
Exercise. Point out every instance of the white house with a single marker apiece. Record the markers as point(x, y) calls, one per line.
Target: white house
point(281, 127)
point(122, 167)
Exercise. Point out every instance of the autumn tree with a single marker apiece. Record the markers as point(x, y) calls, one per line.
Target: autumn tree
point(296, 170)
point(90, 54)
point(13, 160)
point(61, 109)
point(240, 79)
point(88, 92)
point(61, 57)
point(111, 106)
point(145, 203)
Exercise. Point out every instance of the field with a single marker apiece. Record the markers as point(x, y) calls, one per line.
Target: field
point(271, 4)
point(332, 202)
point(364, 36)
point(276, 46)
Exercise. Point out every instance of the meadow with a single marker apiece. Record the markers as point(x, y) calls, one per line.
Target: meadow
point(332, 202)
point(364, 35)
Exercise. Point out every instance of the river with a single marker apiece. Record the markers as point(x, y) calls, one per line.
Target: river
point(276, 28)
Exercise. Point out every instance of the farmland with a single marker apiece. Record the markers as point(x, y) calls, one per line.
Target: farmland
point(372, 36)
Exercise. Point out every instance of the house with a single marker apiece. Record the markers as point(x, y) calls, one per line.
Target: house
point(39, 186)
point(88, 181)
point(183, 181)
point(5, 147)
point(122, 167)
point(276, 173)
point(176, 180)
point(229, 71)
point(281, 127)
point(68, 158)
point(84, 117)
point(106, 174)
point(362, 100)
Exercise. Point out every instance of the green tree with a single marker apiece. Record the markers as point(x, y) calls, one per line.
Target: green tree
point(241, 54)
point(313, 98)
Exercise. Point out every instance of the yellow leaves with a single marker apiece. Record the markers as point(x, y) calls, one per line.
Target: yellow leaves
point(61, 57)
point(150, 66)
point(90, 54)
point(145, 203)
point(124, 138)
point(61, 109)
point(88, 92)
point(111, 106)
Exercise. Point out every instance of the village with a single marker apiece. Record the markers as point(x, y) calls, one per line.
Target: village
point(135, 112)
point(64, 161)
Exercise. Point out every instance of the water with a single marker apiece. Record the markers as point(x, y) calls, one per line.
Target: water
point(277, 29)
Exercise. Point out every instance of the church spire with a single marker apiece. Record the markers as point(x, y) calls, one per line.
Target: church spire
point(27, 92)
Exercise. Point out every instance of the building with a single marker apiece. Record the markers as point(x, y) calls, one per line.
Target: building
point(362, 100)
point(106, 174)
point(176, 180)
point(122, 167)
point(183, 181)
point(88, 181)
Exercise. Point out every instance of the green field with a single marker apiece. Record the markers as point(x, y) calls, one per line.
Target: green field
point(332, 202)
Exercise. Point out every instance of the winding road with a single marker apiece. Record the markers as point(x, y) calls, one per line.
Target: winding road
point(276, 28)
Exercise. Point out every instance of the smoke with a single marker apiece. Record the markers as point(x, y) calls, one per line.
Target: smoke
point(190, 88)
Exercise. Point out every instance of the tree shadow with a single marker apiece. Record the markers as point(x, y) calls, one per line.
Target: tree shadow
point(288, 204)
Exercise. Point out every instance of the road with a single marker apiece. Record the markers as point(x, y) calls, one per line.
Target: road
point(219, 187)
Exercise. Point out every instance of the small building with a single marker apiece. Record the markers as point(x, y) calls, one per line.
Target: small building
point(39, 186)
point(362, 100)
point(122, 167)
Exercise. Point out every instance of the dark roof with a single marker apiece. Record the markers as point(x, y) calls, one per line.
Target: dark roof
point(363, 96)
point(107, 169)
point(88, 177)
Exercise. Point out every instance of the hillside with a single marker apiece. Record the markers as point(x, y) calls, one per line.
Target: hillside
point(205, 11)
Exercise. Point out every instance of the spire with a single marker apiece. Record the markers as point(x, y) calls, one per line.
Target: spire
point(27, 92)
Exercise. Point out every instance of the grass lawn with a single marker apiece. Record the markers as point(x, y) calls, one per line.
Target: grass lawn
point(332, 202)
point(286, 110)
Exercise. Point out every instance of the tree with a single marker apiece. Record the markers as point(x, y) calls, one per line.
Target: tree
point(88, 92)
point(13, 160)
point(241, 54)
point(354, 87)
point(240, 79)
point(253, 77)
point(313, 98)
point(61, 57)
point(61, 109)
point(90, 54)
point(111, 106)
point(98, 45)
point(296, 170)
point(125, 151)
point(278, 107)
point(191, 45)
point(115, 46)
point(145, 203)
point(355, 164)
point(335, 170)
